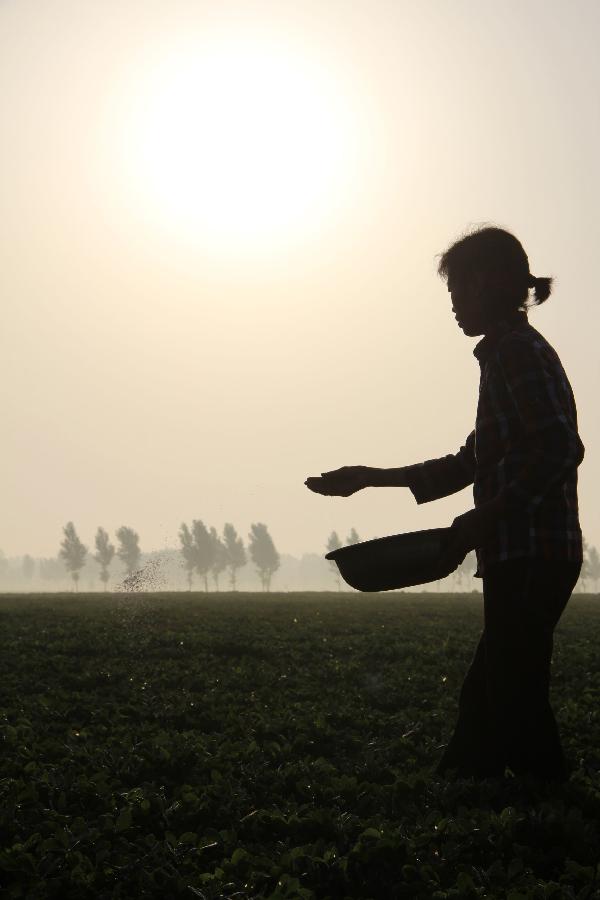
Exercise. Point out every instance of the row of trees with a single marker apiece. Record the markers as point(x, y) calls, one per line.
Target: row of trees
point(73, 552)
point(204, 552)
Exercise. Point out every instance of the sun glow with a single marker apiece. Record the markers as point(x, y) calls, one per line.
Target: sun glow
point(238, 142)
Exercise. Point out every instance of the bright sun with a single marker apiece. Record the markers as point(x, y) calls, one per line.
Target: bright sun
point(238, 142)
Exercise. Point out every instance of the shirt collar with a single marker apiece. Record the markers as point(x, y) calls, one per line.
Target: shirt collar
point(488, 343)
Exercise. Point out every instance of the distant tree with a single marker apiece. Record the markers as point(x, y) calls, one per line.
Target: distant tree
point(73, 552)
point(219, 556)
point(129, 549)
point(28, 567)
point(353, 537)
point(466, 568)
point(236, 554)
point(459, 575)
point(105, 552)
point(585, 568)
point(263, 553)
point(188, 551)
point(3, 565)
point(594, 566)
point(332, 544)
point(204, 550)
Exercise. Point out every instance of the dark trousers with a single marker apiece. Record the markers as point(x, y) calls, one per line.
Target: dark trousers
point(505, 718)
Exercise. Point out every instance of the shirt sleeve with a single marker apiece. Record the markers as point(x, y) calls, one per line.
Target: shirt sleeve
point(437, 478)
point(550, 447)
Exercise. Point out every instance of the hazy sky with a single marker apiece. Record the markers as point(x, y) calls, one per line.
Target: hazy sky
point(218, 251)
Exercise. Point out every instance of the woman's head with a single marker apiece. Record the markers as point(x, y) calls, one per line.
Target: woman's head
point(488, 276)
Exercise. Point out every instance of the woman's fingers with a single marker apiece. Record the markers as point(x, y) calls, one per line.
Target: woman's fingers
point(333, 484)
point(314, 483)
point(339, 482)
point(322, 486)
point(318, 485)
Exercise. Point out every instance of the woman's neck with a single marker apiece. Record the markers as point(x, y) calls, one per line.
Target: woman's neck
point(515, 317)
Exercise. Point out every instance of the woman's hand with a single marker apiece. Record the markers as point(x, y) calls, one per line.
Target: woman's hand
point(471, 530)
point(340, 482)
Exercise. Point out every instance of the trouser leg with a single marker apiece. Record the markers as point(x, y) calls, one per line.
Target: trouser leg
point(505, 715)
point(523, 601)
point(471, 750)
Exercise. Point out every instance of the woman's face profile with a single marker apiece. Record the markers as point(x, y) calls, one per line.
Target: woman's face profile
point(467, 304)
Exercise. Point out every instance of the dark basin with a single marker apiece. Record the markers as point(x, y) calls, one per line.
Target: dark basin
point(396, 561)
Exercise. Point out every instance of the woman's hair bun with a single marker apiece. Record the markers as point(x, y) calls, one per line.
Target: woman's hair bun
point(541, 288)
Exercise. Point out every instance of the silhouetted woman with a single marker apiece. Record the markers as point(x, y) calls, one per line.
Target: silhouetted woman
point(522, 459)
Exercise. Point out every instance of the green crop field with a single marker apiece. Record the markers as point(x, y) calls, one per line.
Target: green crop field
point(277, 746)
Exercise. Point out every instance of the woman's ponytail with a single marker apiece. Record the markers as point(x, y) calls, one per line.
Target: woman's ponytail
point(541, 288)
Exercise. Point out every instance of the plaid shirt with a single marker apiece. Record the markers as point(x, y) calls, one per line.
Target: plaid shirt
point(525, 447)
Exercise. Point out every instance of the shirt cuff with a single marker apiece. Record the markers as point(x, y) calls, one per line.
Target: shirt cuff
point(419, 483)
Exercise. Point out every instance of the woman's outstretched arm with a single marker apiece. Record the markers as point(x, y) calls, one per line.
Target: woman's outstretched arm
point(428, 480)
